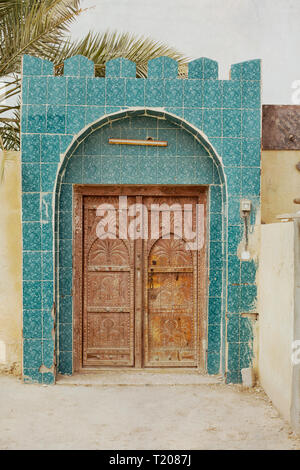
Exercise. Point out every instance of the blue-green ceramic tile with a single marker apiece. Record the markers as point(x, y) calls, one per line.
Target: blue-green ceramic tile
point(93, 113)
point(79, 66)
point(194, 116)
point(65, 309)
point(48, 378)
point(65, 253)
point(48, 324)
point(204, 170)
point(32, 295)
point(174, 93)
point(48, 174)
point(215, 283)
point(170, 67)
point(50, 148)
point(233, 356)
point(73, 172)
point(246, 355)
point(251, 94)
point(235, 234)
point(47, 236)
point(65, 141)
point(24, 90)
point(65, 224)
point(111, 167)
point(91, 169)
point(234, 268)
point(170, 135)
point(76, 91)
point(251, 181)
point(234, 217)
point(185, 144)
point(56, 119)
point(65, 363)
point(36, 118)
point(213, 362)
point(92, 144)
point(57, 90)
point(135, 92)
point(233, 328)
point(193, 93)
point(46, 207)
point(48, 353)
point(216, 227)
point(37, 90)
point(248, 272)
point(212, 122)
point(234, 299)
point(30, 177)
point(31, 207)
point(65, 337)
point(148, 167)
point(232, 152)
point(251, 123)
point(251, 152)
point(248, 298)
point(32, 65)
point(215, 199)
point(32, 353)
point(31, 236)
point(196, 68)
point(166, 169)
point(246, 330)
point(31, 148)
point(32, 324)
point(186, 170)
point(216, 257)
point(214, 338)
point(214, 310)
point(115, 91)
point(236, 72)
point(47, 265)
point(128, 68)
point(156, 68)
point(65, 278)
point(212, 94)
point(154, 92)
point(130, 170)
point(232, 122)
point(75, 119)
point(47, 294)
point(66, 197)
point(178, 112)
point(210, 69)
point(32, 266)
point(251, 70)
point(232, 94)
point(96, 92)
point(233, 377)
point(234, 180)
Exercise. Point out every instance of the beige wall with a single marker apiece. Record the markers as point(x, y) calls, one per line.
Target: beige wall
point(10, 267)
point(280, 184)
point(276, 313)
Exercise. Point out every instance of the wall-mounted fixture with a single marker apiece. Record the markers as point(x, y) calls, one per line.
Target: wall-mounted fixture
point(149, 142)
point(245, 209)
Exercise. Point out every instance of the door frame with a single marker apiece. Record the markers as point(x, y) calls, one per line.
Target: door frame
point(81, 190)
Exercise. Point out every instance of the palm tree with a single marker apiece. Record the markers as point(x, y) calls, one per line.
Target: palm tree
point(40, 28)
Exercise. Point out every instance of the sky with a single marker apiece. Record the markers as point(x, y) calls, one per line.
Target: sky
point(228, 31)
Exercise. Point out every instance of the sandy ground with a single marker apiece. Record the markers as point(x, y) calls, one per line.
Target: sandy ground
point(201, 416)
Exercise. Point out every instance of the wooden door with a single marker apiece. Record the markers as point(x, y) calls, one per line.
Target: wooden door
point(137, 302)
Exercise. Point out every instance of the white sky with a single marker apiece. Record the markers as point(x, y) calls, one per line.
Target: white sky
point(228, 31)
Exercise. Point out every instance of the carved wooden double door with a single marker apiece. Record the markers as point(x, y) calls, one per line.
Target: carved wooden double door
point(139, 288)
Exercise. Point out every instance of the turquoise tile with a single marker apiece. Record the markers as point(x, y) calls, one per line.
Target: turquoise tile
point(232, 94)
point(32, 266)
point(65, 363)
point(194, 116)
point(248, 298)
point(214, 338)
point(193, 93)
point(214, 310)
point(135, 92)
point(170, 67)
point(154, 92)
point(251, 94)
point(65, 224)
point(173, 93)
point(46, 207)
point(156, 68)
point(65, 141)
point(233, 328)
point(75, 119)
point(251, 70)
point(234, 299)
point(185, 144)
point(233, 377)
point(79, 66)
point(31, 65)
point(115, 91)
point(48, 175)
point(111, 167)
point(232, 152)
point(32, 353)
point(113, 68)
point(251, 152)
point(66, 197)
point(92, 144)
point(50, 151)
point(31, 207)
point(170, 135)
point(148, 167)
point(73, 172)
point(248, 272)
point(236, 72)
point(93, 113)
point(251, 123)
point(76, 91)
point(246, 355)
point(251, 181)
point(47, 236)
point(32, 295)
point(216, 227)
point(95, 92)
point(91, 170)
point(246, 330)
point(204, 170)
point(30, 177)
point(48, 324)
point(186, 170)
point(56, 119)
point(47, 265)
point(31, 236)
point(31, 148)
point(234, 269)
point(233, 357)
point(235, 235)
point(48, 353)
point(48, 378)
point(65, 253)
point(130, 169)
point(213, 362)
point(65, 309)
point(216, 255)
point(210, 69)
point(65, 279)
point(215, 282)
point(166, 169)
point(232, 122)
point(37, 91)
point(128, 68)
point(234, 217)
point(234, 181)
point(212, 94)
point(178, 112)
point(57, 90)
point(32, 324)
point(212, 122)
point(196, 68)
point(215, 199)
point(36, 118)
point(65, 337)
point(47, 295)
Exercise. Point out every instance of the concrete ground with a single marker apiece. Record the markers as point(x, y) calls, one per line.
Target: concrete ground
point(100, 414)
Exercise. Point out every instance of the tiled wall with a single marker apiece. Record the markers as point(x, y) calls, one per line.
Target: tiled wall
point(59, 110)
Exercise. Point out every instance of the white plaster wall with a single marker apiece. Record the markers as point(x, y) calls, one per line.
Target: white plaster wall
point(229, 31)
point(276, 313)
